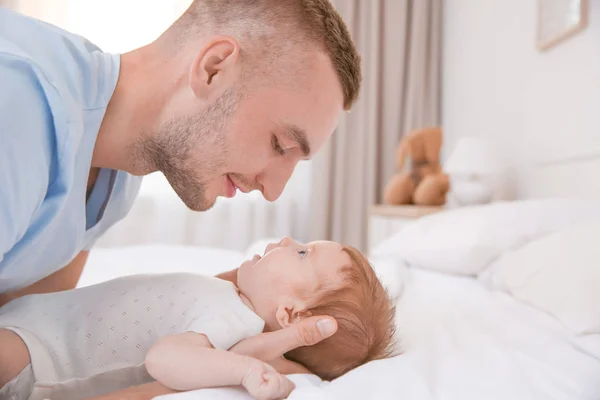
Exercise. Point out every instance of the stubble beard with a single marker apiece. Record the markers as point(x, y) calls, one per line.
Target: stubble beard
point(174, 149)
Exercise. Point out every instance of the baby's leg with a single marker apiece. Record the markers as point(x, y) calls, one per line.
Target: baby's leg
point(14, 356)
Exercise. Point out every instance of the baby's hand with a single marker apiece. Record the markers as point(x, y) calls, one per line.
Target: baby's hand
point(263, 382)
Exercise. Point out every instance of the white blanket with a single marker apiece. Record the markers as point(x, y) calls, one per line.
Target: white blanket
point(460, 341)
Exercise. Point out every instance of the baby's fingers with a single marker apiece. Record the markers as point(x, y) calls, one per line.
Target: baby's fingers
point(285, 386)
point(278, 386)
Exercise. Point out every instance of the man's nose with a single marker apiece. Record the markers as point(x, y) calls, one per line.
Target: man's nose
point(275, 177)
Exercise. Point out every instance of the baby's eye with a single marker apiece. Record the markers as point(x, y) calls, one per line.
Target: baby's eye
point(303, 253)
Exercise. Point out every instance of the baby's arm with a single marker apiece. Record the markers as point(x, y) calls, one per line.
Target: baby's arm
point(188, 361)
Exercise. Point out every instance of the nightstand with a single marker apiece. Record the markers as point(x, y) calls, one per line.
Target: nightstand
point(386, 220)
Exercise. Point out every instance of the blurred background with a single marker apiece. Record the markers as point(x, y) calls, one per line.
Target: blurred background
point(514, 86)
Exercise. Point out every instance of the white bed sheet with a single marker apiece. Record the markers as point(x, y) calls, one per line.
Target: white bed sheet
point(461, 341)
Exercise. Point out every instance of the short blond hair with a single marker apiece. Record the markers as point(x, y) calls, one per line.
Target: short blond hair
point(366, 323)
point(299, 23)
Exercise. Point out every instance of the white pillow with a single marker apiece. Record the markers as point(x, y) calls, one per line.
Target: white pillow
point(465, 240)
point(392, 274)
point(558, 274)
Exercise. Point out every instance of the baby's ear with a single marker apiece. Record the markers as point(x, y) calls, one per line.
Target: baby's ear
point(291, 311)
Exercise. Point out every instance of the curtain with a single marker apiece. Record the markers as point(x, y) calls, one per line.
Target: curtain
point(400, 43)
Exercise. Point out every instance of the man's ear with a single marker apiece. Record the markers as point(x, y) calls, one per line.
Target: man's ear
point(291, 311)
point(215, 67)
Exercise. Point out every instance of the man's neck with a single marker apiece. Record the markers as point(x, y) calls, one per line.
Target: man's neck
point(130, 113)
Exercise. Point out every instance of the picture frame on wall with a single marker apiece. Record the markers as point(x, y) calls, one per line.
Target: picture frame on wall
point(558, 20)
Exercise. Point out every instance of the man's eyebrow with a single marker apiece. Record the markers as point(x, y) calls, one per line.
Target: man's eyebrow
point(299, 136)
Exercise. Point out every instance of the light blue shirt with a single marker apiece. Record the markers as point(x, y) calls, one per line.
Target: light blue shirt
point(54, 90)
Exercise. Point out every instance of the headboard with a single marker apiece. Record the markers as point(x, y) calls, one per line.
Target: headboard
point(572, 175)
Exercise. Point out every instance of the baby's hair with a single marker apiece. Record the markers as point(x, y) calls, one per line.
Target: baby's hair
point(365, 317)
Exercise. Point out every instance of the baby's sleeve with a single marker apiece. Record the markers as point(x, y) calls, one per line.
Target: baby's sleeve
point(227, 323)
point(222, 333)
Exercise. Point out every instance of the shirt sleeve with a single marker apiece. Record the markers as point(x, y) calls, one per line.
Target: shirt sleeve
point(26, 141)
point(227, 322)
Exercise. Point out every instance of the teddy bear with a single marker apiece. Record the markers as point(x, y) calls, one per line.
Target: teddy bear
point(424, 183)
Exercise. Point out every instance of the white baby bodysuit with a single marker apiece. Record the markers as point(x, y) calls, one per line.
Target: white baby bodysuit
point(98, 336)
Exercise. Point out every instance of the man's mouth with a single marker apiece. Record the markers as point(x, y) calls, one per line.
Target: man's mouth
point(231, 188)
point(241, 186)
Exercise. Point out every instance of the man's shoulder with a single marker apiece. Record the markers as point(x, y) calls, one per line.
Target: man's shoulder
point(35, 40)
point(18, 28)
point(77, 69)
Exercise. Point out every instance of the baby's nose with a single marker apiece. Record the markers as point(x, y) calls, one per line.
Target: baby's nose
point(270, 247)
point(286, 241)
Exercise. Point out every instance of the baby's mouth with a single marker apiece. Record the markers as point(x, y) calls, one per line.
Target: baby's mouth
point(255, 258)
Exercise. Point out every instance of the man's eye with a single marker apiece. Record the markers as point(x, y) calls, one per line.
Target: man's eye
point(276, 146)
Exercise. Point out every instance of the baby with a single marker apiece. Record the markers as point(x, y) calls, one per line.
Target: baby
point(177, 328)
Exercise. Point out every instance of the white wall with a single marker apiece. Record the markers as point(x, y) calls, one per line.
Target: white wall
point(537, 105)
point(116, 26)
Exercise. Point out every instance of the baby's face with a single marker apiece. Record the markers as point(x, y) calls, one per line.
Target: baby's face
point(281, 284)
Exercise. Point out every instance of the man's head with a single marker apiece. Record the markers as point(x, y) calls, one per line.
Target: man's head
point(292, 281)
point(256, 87)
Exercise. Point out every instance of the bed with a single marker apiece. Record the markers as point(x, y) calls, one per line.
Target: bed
point(476, 307)
point(500, 301)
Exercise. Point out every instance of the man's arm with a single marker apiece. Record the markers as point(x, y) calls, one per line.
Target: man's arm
point(147, 391)
point(63, 279)
point(273, 345)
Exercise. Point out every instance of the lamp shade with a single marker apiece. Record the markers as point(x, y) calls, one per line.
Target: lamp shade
point(473, 156)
